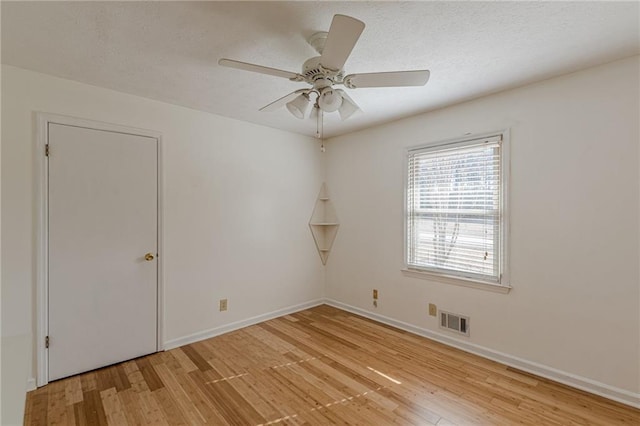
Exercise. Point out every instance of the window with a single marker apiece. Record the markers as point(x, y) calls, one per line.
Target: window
point(456, 218)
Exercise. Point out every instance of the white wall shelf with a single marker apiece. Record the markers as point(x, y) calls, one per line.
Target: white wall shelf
point(324, 224)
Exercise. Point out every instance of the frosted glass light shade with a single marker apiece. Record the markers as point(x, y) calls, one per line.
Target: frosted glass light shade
point(299, 106)
point(330, 100)
point(347, 109)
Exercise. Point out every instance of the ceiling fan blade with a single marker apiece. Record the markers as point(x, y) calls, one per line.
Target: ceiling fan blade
point(283, 100)
point(387, 79)
point(343, 35)
point(260, 69)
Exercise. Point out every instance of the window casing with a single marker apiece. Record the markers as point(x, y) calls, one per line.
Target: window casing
point(456, 221)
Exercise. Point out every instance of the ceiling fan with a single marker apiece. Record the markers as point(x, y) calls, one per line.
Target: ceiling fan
point(326, 71)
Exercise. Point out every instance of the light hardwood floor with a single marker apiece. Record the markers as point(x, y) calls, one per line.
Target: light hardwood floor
point(316, 367)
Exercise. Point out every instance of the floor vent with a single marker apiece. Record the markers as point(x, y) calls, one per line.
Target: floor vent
point(454, 322)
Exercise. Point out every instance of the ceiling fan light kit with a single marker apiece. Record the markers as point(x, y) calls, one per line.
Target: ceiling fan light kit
point(324, 72)
point(299, 106)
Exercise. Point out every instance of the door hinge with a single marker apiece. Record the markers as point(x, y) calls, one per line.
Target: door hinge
point(46, 342)
point(46, 150)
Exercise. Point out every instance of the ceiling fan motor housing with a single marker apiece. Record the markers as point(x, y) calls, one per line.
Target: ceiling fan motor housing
point(319, 76)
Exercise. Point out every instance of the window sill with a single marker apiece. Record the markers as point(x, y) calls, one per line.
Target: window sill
point(460, 281)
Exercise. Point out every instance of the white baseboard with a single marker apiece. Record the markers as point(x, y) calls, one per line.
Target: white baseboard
point(206, 334)
point(570, 379)
point(31, 384)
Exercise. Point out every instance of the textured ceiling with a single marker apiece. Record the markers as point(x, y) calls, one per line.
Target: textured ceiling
point(168, 51)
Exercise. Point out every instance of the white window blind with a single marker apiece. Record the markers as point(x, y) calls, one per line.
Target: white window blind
point(454, 211)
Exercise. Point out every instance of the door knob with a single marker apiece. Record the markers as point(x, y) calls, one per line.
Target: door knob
point(149, 257)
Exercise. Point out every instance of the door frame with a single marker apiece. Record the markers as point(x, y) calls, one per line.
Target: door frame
point(42, 229)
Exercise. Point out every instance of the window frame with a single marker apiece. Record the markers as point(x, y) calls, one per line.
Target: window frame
point(503, 284)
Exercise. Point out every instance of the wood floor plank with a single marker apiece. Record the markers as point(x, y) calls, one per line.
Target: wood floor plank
point(36, 407)
point(199, 399)
point(170, 408)
point(196, 358)
point(255, 399)
point(228, 402)
point(79, 414)
point(105, 379)
point(88, 382)
point(283, 401)
point(113, 407)
point(129, 367)
point(120, 378)
point(179, 394)
point(319, 366)
point(151, 410)
point(57, 408)
point(93, 408)
point(73, 390)
point(130, 401)
point(150, 377)
point(138, 382)
point(183, 359)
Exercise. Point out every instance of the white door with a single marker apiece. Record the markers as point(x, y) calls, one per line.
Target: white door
point(103, 220)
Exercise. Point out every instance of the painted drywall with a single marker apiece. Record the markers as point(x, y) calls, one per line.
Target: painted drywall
point(574, 241)
point(15, 373)
point(237, 201)
point(1, 340)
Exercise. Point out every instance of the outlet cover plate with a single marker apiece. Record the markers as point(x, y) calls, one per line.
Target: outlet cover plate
point(433, 310)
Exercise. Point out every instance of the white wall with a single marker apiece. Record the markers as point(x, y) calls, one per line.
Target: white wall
point(237, 198)
point(574, 237)
point(1, 381)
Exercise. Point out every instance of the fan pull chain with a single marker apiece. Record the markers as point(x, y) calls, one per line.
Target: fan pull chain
point(320, 127)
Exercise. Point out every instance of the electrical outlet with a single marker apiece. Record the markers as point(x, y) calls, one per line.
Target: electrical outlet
point(433, 310)
point(375, 303)
point(223, 305)
point(375, 294)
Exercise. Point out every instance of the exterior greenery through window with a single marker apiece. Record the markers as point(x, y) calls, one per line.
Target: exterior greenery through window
point(455, 209)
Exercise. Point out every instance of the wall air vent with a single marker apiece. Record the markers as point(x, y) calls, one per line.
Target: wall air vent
point(454, 322)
